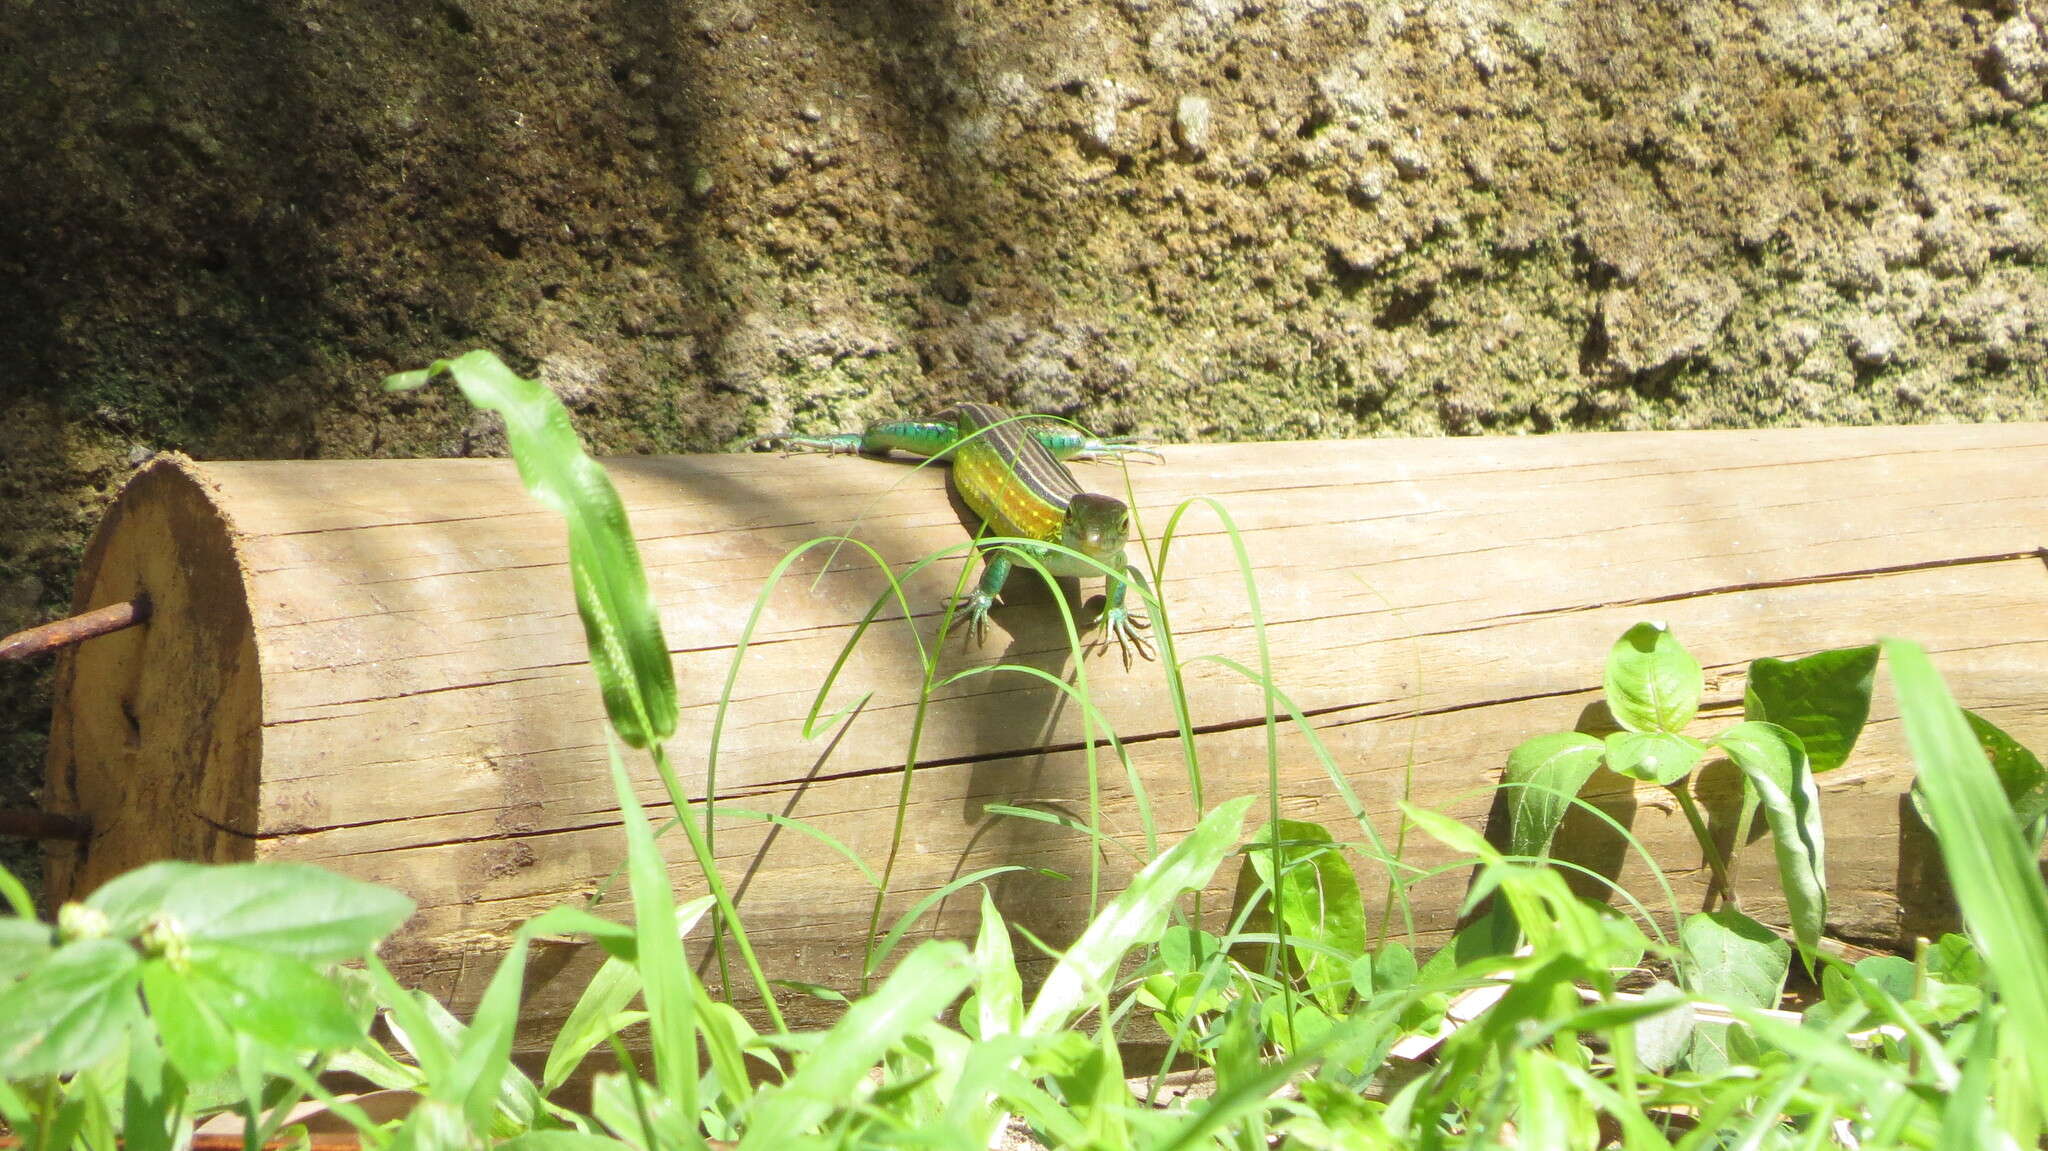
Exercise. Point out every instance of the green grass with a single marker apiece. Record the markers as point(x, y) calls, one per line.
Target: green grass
point(180, 991)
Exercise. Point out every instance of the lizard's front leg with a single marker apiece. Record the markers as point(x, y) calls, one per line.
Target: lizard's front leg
point(1121, 622)
point(970, 611)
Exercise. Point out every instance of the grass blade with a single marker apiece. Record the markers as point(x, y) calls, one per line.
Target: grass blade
point(1134, 917)
point(1996, 880)
point(927, 980)
point(620, 624)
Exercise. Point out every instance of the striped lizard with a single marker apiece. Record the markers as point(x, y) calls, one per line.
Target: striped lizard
point(1010, 471)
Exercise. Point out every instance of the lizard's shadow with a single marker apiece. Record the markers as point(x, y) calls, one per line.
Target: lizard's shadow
point(1019, 716)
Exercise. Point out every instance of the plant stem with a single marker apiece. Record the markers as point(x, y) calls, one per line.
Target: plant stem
point(1711, 849)
point(715, 882)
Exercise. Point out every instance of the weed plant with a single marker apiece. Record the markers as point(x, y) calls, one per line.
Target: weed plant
point(178, 992)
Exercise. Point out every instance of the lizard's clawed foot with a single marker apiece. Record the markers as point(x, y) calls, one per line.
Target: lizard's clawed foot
point(1122, 626)
point(970, 617)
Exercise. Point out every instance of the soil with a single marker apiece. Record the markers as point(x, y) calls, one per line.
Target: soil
point(223, 224)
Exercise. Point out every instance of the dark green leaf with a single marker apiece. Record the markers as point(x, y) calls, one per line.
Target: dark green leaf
point(71, 1012)
point(620, 623)
point(1996, 877)
point(2019, 772)
point(1823, 699)
point(1319, 903)
point(1774, 763)
point(1543, 775)
point(1653, 683)
point(23, 944)
point(1658, 757)
point(291, 909)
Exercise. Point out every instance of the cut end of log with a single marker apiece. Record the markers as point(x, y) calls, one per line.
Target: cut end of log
point(157, 739)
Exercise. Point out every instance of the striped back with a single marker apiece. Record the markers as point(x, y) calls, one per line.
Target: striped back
point(1007, 476)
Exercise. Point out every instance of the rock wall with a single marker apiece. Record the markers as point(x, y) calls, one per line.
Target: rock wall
point(222, 223)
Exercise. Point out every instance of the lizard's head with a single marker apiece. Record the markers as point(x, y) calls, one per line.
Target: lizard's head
point(1097, 525)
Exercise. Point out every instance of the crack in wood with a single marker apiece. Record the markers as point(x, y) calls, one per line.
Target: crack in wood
point(1758, 585)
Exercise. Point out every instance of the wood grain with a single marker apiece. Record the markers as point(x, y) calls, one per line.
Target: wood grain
point(422, 714)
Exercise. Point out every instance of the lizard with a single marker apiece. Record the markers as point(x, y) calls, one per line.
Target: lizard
point(1010, 470)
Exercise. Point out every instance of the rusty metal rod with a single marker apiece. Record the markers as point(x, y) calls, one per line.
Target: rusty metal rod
point(21, 824)
point(75, 630)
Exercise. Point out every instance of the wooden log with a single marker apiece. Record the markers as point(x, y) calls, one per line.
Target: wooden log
point(376, 666)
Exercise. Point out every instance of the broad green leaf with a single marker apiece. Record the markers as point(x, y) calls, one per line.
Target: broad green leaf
point(1184, 949)
point(195, 1040)
point(1135, 917)
point(1661, 1037)
point(1995, 876)
point(923, 985)
point(293, 909)
point(1361, 976)
point(72, 1011)
point(1653, 683)
point(1393, 967)
point(1892, 974)
point(1490, 935)
point(1319, 903)
point(1728, 957)
point(1823, 699)
point(1774, 763)
point(620, 623)
point(271, 998)
point(1543, 774)
point(129, 900)
point(154, 1101)
point(2019, 772)
point(1659, 757)
point(23, 944)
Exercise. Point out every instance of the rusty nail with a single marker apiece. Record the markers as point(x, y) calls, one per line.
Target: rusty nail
point(75, 630)
point(22, 824)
